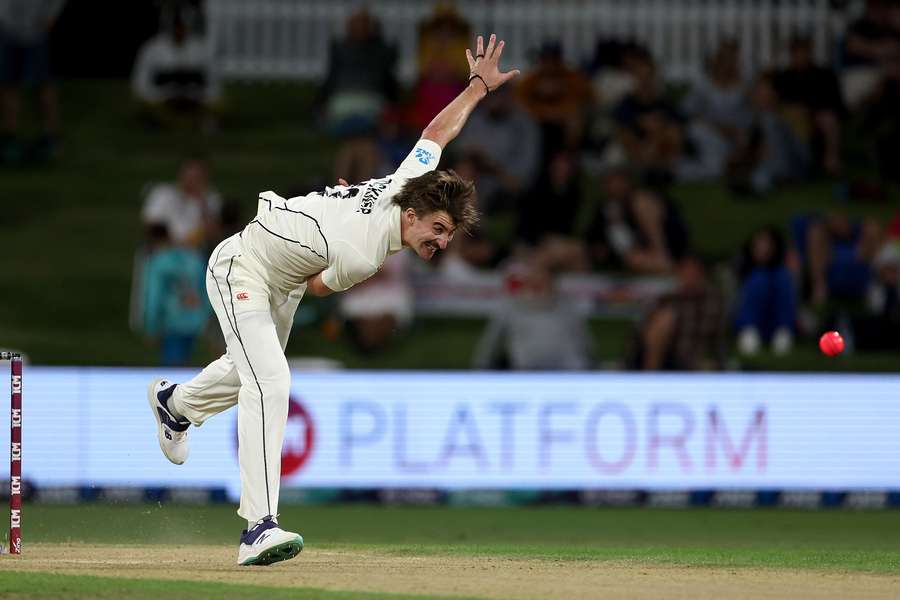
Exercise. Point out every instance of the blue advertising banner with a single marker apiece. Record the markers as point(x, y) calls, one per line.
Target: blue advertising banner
point(466, 431)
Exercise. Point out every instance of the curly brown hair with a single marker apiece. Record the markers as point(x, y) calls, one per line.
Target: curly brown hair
point(441, 190)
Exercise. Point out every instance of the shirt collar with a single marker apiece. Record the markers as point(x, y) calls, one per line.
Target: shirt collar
point(395, 242)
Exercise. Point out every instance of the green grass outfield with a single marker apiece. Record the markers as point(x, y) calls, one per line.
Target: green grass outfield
point(781, 538)
point(826, 541)
point(43, 585)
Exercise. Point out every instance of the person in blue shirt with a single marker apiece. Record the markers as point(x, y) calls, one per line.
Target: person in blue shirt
point(767, 299)
point(176, 310)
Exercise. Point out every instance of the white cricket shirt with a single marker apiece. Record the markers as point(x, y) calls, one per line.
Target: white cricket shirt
point(345, 232)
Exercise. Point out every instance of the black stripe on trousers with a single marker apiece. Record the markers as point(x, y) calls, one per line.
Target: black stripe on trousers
point(219, 288)
point(237, 334)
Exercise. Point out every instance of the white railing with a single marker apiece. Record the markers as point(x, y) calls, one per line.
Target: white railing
point(280, 39)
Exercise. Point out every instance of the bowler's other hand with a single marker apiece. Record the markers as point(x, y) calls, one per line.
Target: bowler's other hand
point(485, 64)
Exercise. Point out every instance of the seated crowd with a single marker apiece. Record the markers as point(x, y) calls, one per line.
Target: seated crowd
point(575, 165)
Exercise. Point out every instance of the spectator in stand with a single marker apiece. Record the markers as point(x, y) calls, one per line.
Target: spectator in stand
point(394, 140)
point(501, 142)
point(25, 60)
point(176, 78)
point(719, 113)
point(536, 328)
point(558, 97)
point(474, 251)
point(872, 84)
point(190, 209)
point(872, 48)
point(772, 153)
point(360, 82)
point(610, 83)
point(815, 91)
point(175, 307)
point(648, 126)
point(838, 255)
point(441, 75)
point(359, 86)
point(552, 205)
point(879, 329)
point(767, 301)
point(380, 308)
point(636, 228)
point(548, 215)
point(685, 330)
point(609, 72)
point(881, 125)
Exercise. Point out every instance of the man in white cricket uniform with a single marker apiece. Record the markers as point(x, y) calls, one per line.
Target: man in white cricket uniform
point(320, 243)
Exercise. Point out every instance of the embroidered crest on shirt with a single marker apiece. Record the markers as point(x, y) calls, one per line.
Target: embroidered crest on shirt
point(242, 296)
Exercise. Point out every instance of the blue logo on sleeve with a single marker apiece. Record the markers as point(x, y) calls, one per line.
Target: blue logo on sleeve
point(424, 156)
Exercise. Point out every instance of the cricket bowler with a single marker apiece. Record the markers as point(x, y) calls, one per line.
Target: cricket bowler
point(320, 243)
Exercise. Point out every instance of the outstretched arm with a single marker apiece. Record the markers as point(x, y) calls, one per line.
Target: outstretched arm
point(484, 77)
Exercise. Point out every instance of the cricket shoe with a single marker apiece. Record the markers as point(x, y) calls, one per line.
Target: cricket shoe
point(266, 543)
point(171, 431)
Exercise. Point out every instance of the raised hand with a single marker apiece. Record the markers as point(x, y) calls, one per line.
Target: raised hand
point(485, 64)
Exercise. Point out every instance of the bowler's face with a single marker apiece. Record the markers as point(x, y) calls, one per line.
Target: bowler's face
point(429, 233)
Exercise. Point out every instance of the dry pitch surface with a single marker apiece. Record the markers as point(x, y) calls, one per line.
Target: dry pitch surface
point(519, 579)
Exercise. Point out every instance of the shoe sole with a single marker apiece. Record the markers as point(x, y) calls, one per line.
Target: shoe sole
point(151, 399)
point(283, 551)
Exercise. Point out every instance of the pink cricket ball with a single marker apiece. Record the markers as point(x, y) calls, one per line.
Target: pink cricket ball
point(831, 343)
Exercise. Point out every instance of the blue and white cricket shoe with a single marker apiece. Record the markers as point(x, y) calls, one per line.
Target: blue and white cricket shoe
point(266, 543)
point(172, 432)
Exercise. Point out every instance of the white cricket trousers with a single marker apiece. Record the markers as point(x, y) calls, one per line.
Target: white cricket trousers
point(253, 373)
